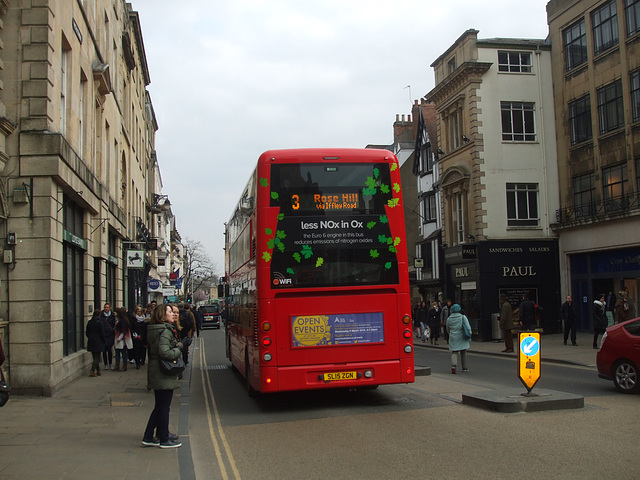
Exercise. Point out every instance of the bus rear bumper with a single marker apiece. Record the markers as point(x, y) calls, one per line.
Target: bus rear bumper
point(344, 375)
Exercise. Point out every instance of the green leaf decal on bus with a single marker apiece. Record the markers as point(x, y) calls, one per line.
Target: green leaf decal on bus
point(382, 238)
point(371, 224)
point(319, 262)
point(264, 182)
point(384, 219)
point(280, 216)
point(280, 234)
point(266, 256)
point(306, 252)
point(297, 257)
point(384, 188)
point(290, 271)
point(393, 249)
point(376, 172)
point(393, 202)
point(397, 241)
point(393, 167)
point(387, 266)
point(271, 243)
point(275, 195)
point(374, 253)
point(396, 187)
point(268, 231)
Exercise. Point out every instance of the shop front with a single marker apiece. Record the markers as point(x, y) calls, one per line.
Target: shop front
point(604, 272)
point(478, 273)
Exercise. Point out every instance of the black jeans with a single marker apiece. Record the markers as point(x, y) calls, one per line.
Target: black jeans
point(159, 418)
point(570, 328)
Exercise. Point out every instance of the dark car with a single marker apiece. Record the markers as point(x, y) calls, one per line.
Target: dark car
point(619, 356)
point(211, 315)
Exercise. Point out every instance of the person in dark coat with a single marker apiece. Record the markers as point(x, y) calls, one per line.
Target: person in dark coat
point(506, 323)
point(527, 313)
point(109, 324)
point(422, 317)
point(433, 321)
point(139, 336)
point(600, 320)
point(569, 314)
point(95, 341)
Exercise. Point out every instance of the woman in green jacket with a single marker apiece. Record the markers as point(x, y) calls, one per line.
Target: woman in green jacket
point(163, 343)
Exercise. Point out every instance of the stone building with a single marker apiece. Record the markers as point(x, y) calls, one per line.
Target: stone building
point(497, 176)
point(79, 179)
point(596, 77)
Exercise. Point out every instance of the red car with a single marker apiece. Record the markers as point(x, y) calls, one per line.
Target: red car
point(619, 356)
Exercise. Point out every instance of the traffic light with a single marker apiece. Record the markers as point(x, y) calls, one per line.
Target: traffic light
point(189, 299)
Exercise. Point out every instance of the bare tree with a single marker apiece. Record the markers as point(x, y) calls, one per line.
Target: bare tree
point(200, 269)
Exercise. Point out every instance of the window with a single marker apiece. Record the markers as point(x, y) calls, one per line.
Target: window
point(458, 218)
point(575, 44)
point(632, 14)
point(515, 62)
point(584, 195)
point(64, 67)
point(610, 108)
point(451, 65)
point(605, 27)
point(522, 205)
point(74, 248)
point(453, 122)
point(614, 180)
point(635, 95)
point(426, 159)
point(518, 123)
point(580, 119)
point(428, 208)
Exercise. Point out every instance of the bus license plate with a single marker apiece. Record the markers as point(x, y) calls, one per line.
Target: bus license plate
point(328, 377)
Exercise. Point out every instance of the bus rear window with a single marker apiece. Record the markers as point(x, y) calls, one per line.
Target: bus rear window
point(333, 228)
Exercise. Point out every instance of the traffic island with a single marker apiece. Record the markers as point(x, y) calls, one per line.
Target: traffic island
point(422, 371)
point(517, 400)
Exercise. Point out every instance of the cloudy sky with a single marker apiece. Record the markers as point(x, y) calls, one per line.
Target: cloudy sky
point(231, 79)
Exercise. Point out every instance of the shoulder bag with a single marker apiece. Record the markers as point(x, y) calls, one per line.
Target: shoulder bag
point(466, 329)
point(172, 367)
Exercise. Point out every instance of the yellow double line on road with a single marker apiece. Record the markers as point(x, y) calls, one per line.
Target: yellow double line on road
point(216, 431)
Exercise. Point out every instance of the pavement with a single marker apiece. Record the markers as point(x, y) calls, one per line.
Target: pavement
point(552, 348)
point(92, 428)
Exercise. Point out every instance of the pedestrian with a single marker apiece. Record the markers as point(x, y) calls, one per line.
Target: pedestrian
point(422, 314)
point(506, 323)
point(186, 327)
point(527, 313)
point(109, 324)
point(444, 314)
point(433, 322)
point(600, 320)
point(123, 341)
point(199, 319)
point(416, 322)
point(622, 309)
point(139, 335)
point(457, 324)
point(569, 315)
point(163, 343)
point(95, 332)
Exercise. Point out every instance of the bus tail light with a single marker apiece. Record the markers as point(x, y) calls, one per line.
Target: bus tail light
point(266, 326)
point(407, 349)
point(267, 357)
point(266, 341)
point(406, 319)
point(407, 334)
point(368, 374)
point(267, 380)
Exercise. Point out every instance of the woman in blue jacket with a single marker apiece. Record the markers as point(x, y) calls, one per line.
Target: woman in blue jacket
point(459, 342)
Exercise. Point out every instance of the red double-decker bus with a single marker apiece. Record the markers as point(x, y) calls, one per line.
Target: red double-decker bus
point(316, 273)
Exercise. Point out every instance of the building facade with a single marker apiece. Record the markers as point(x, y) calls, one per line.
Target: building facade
point(596, 76)
point(497, 176)
point(78, 198)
